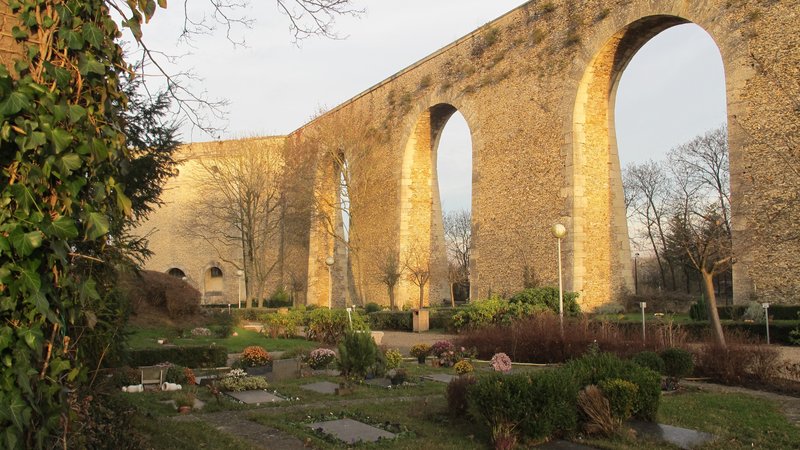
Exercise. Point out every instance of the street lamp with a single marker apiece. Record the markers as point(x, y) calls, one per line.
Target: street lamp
point(766, 316)
point(636, 273)
point(643, 305)
point(559, 231)
point(239, 274)
point(329, 262)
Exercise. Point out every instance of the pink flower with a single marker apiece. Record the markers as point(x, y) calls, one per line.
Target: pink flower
point(501, 363)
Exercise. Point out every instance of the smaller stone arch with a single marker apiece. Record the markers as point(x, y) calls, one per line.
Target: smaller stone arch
point(177, 273)
point(213, 283)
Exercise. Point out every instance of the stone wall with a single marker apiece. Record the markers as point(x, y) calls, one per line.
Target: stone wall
point(537, 89)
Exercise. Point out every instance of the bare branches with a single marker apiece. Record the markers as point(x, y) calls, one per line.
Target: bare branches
point(193, 105)
point(308, 18)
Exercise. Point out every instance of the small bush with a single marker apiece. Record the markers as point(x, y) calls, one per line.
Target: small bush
point(282, 325)
point(610, 308)
point(125, 376)
point(221, 324)
point(439, 348)
point(254, 356)
point(457, 389)
point(597, 410)
point(329, 326)
point(621, 395)
point(420, 350)
point(237, 380)
point(390, 320)
point(393, 359)
point(279, 299)
point(321, 358)
point(539, 404)
point(188, 356)
point(594, 367)
point(677, 363)
point(651, 360)
point(176, 374)
point(740, 362)
point(754, 312)
point(358, 355)
point(501, 363)
point(177, 297)
point(463, 367)
point(547, 298)
point(372, 307)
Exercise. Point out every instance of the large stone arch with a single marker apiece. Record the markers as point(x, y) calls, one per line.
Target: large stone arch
point(599, 243)
point(420, 222)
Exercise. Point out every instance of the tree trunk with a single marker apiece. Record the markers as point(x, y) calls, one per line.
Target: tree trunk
point(391, 298)
point(421, 296)
point(452, 296)
point(713, 314)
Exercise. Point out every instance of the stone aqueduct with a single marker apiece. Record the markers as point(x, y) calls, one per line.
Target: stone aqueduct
point(537, 89)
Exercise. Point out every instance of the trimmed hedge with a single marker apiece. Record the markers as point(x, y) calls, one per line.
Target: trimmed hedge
point(545, 403)
point(390, 320)
point(735, 312)
point(189, 356)
point(778, 332)
point(593, 368)
point(402, 320)
point(542, 403)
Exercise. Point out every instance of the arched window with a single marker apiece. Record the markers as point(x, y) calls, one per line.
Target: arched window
point(177, 273)
point(216, 272)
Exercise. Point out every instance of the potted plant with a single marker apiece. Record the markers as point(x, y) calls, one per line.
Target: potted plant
point(256, 360)
point(420, 351)
point(184, 402)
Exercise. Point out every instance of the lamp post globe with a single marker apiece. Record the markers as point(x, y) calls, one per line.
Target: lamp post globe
point(559, 230)
point(329, 261)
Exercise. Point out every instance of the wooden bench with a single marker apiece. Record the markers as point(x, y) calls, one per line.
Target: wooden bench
point(152, 375)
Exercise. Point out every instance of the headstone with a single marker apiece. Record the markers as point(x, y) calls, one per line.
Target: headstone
point(322, 387)
point(255, 397)
point(283, 369)
point(681, 437)
point(440, 377)
point(352, 431)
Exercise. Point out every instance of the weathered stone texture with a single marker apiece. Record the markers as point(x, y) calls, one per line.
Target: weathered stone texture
point(537, 89)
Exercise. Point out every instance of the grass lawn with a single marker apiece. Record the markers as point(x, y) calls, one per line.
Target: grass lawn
point(427, 423)
point(141, 337)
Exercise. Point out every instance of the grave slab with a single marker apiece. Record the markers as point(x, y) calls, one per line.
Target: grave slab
point(440, 377)
point(322, 387)
point(682, 437)
point(254, 397)
point(283, 369)
point(379, 382)
point(352, 431)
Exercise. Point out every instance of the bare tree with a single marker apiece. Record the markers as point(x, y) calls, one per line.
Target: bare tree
point(418, 266)
point(391, 270)
point(306, 18)
point(238, 204)
point(647, 193)
point(702, 205)
point(458, 238)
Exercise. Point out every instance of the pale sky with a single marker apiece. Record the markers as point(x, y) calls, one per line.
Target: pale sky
point(671, 91)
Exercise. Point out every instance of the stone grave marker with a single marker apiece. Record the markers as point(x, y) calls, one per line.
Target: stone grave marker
point(256, 397)
point(321, 387)
point(352, 431)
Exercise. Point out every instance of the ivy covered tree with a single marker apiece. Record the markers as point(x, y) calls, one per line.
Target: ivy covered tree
point(82, 158)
